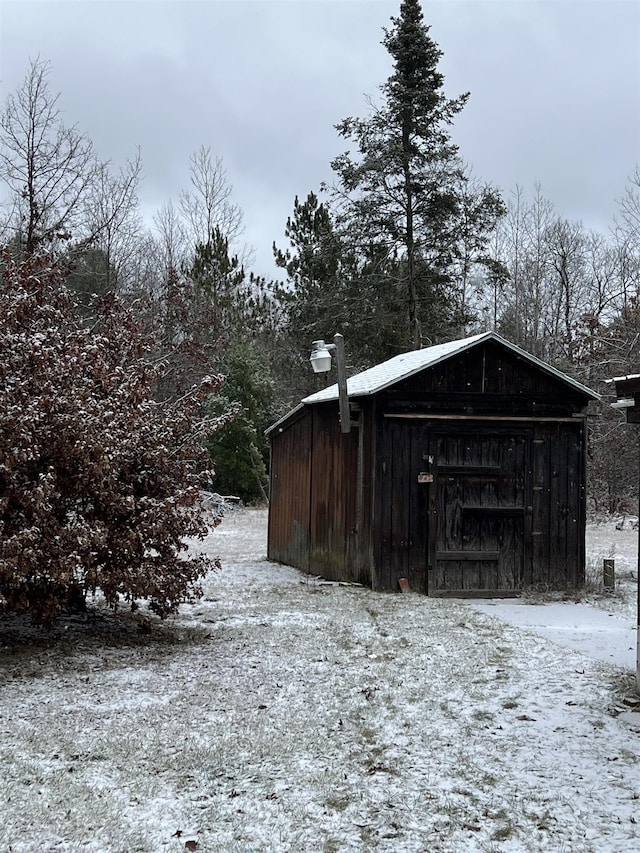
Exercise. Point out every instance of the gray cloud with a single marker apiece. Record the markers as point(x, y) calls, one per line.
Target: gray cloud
point(555, 90)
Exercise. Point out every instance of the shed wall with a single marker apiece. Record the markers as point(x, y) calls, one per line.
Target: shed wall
point(559, 504)
point(333, 539)
point(289, 500)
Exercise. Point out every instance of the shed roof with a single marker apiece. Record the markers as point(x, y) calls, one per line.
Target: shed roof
point(403, 366)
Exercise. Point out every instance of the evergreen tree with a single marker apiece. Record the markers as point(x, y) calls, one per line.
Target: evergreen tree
point(217, 277)
point(90, 279)
point(238, 446)
point(402, 188)
point(314, 268)
point(312, 299)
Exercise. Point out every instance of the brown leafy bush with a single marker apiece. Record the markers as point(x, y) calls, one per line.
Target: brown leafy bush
point(98, 482)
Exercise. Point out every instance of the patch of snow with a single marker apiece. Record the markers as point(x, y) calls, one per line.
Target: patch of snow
point(586, 629)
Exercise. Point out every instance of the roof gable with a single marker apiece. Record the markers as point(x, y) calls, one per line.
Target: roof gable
point(401, 367)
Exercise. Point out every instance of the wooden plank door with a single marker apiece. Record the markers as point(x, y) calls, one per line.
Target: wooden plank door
point(480, 530)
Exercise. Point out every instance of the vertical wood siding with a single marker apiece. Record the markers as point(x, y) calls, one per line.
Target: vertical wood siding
point(334, 489)
point(559, 505)
point(289, 499)
point(401, 505)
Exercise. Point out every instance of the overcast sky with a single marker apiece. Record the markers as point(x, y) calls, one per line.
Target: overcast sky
point(555, 90)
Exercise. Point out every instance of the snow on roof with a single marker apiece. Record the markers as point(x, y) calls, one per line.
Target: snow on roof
point(626, 378)
point(403, 366)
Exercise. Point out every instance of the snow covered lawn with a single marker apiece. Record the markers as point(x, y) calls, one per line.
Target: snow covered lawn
point(282, 714)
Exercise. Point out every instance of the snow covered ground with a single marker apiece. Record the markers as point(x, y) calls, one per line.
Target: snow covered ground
point(283, 714)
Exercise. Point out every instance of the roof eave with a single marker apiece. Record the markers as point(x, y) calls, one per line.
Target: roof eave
point(279, 424)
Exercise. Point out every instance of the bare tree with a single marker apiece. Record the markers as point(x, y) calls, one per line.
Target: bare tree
point(112, 220)
point(605, 285)
point(47, 167)
point(171, 237)
point(513, 248)
point(208, 204)
point(480, 210)
point(626, 233)
point(568, 286)
point(540, 216)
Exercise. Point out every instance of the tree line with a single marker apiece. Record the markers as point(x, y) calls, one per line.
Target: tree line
point(404, 248)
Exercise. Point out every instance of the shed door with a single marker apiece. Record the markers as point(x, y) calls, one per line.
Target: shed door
point(480, 530)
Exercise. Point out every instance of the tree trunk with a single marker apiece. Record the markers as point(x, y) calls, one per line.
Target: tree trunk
point(415, 335)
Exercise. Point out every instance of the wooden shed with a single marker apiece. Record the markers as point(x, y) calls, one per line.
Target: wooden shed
point(464, 473)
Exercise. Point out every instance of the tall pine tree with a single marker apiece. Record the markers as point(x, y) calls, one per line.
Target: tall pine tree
point(400, 190)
